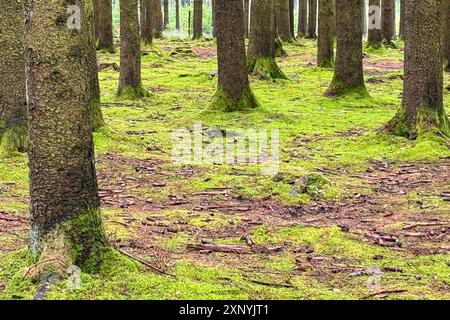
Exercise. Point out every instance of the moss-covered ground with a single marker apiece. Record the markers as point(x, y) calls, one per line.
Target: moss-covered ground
point(354, 213)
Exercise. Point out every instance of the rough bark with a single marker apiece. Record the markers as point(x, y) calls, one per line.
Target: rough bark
point(13, 123)
point(213, 16)
point(130, 86)
point(374, 38)
point(96, 16)
point(312, 19)
point(157, 19)
point(166, 13)
point(246, 17)
point(302, 18)
point(422, 105)
point(198, 19)
point(364, 7)
point(105, 29)
point(388, 20)
point(147, 22)
point(291, 18)
point(233, 92)
point(261, 48)
point(402, 19)
point(283, 20)
point(348, 71)
point(177, 14)
point(325, 52)
point(446, 33)
point(66, 226)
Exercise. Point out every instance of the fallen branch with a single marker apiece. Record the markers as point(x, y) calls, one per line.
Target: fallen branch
point(384, 293)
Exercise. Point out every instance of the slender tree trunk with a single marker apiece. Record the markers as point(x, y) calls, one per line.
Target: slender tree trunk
point(312, 17)
point(147, 22)
point(302, 18)
point(157, 19)
point(283, 20)
point(375, 37)
point(246, 17)
point(261, 49)
point(446, 32)
point(105, 31)
point(177, 14)
point(66, 225)
point(364, 18)
point(325, 52)
point(130, 86)
point(388, 20)
point(291, 17)
point(234, 92)
point(402, 19)
point(213, 15)
point(166, 13)
point(422, 106)
point(13, 114)
point(198, 19)
point(279, 50)
point(348, 71)
point(96, 17)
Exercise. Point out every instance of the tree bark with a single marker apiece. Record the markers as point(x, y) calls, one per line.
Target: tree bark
point(402, 19)
point(105, 31)
point(198, 19)
point(96, 16)
point(166, 13)
point(312, 17)
point(261, 48)
point(157, 19)
point(325, 52)
point(388, 20)
point(422, 106)
point(177, 14)
point(233, 92)
point(130, 86)
point(13, 114)
point(213, 16)
point(375, 37)
point(147, 22)
point(246, 17)
point(283, 20)
point(66, 225)
point(348, 71)
point(446, 33)
point(302, 18)
point(291, 18)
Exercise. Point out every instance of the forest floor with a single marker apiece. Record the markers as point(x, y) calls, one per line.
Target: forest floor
point(378, 228)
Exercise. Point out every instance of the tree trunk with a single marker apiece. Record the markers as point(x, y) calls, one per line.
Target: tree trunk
point(13, 112)
point(422, 106)
point(402, 19)
point(348, 71)
point(198, 19)
point(177, 14)
point(261, 48)
point(105, 31)
point(325, 52)
point(291, 18)
point(375, 37)
point(66, 225)
point(312, 19)
point(130, 86)
point(388, 20)
point(96, 16)
point(246, 17)
point(446, 32)
point(302, 18)
point(233, 92)
point(147, 22)
point(157, 19)
point(364, 17)
point(283, 20)
point(213, 16)
point(166, 13)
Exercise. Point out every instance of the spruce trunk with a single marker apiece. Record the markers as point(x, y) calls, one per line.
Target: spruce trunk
point(325, 52)
point(105, 27)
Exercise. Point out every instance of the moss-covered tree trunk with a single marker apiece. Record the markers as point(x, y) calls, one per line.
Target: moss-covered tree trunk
point(146, 22)
point(177, 14)
point(283, 20)
point(422, 106)
point(312, 19)
point(96, 16)
point(302, 18)
point(388, 20)
point(325, 52)
point(261, 48)
point(233, 92)
point(157, 19)
point(446, 33)
point(348, 71)
point(374, 37)
point(402, 19)
point(66, 226)
point(246, 17)
point(166, 14)
point(13, 123)
point(198, 19)
point(105, 27)
point(130, 86)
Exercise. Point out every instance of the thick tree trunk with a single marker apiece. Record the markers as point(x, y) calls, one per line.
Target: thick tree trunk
point(402, 19)
point(375, 37)
point(348, 71)
point(325, 52)
point(312, 19)
point(66, 226)
point(147, 22)
point(130, 86)
point(198, 19)
point(422, 106)
point(388, 20)
point(13, 115)
point(283, 20)
point(177, 14)
point(166, 13)
point(302, 18)
point(291, 18)
point(261, 48)
point(157, 19)
point(233, 92)
point(446, 32)
point(105, 31)
point(246, 17)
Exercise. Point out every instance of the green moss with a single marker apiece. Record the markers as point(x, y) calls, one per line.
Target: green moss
point(97, 120)
point(326, 63)
point(338, 88)
point(13, 140)
point(222, 101)
point(133, 93)
point(265, 68)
